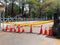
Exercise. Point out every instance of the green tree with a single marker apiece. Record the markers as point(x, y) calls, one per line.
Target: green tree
point(46, 5)
point(15, 10)
point(39, 9)
point(33, 7)
point(36, 8)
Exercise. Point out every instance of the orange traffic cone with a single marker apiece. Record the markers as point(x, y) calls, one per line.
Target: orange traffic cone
point(23, 30)
point(50, 31)
point(6, 27)
point(30, 28)
point(45, 32)
point(41, 30)
point(11, 29)
point(14, 30)
point(18, 29)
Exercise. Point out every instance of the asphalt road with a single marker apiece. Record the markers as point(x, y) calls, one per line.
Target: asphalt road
point(8, 38)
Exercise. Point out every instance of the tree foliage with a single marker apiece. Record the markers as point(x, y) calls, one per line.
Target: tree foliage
point(36, 8)
point(15, 10)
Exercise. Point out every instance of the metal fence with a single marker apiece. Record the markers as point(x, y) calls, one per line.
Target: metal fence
point(23, 19)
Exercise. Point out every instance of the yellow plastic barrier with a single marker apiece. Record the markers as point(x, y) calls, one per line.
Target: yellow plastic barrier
point(27, 24)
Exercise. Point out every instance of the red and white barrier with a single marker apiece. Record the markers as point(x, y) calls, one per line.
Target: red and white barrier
point(42, 29)
point(23, 30)
point(18, 29)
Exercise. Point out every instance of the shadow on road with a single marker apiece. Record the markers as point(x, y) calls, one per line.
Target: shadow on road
point(54, 37)
point(29, 33)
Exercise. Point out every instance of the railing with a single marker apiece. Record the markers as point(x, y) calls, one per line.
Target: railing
point(22, 19)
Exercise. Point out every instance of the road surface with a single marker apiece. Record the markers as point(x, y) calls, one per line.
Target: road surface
point(8, 38)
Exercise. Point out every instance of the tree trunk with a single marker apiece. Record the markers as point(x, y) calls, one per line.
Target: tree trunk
point(30, 11)
point(6, 10)
point(12, 13)
point(22, 9)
